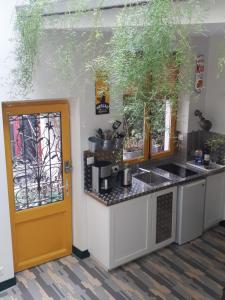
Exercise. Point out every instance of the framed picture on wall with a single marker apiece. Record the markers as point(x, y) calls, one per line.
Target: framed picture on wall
point(102, 97)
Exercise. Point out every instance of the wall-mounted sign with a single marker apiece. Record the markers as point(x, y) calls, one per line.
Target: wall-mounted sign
point(102, 94)
point(199, 73)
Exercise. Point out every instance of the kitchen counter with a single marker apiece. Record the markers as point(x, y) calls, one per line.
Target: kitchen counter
point(120, 194)
point(118, 234)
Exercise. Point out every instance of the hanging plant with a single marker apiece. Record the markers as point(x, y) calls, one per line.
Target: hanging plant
point(150, 57)
point(149, 53)
point(142, 43)
point(29, 31)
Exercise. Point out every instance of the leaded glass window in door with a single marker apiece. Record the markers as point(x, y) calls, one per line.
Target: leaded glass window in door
point(36, 151)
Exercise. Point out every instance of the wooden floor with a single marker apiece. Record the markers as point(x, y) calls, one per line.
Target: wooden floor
point(193, 271)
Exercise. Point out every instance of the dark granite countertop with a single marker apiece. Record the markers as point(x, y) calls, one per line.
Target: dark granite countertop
point(120, 194)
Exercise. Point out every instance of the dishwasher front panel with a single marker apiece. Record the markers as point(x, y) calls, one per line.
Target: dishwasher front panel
point(190, 211)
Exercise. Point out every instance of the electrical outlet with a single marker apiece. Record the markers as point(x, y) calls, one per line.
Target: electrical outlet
point(90, 160)
point(1, 270)
point(115, 168)
point(180, 137)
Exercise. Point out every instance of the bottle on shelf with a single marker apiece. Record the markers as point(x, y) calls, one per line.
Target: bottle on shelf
point(206, 155)
point(198, 157)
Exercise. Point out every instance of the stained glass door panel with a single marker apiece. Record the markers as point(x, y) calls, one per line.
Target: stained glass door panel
point(36, 151)
point(37, 146)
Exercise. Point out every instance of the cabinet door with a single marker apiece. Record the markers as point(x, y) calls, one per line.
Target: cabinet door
point(214, 200)
point(163, 218)
point(129, 230)
point(190, 213)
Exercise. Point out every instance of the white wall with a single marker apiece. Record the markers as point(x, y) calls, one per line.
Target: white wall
point(6, 47)
point(189, 102)
point(215, 94)
point(197, 100)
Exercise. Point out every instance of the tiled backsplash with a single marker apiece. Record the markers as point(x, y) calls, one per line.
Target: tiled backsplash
point(197, 139)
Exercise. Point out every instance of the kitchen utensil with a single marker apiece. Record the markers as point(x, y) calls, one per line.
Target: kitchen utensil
point(118, 142)
point(116, 125)
point(100, 133)
point(108, 134)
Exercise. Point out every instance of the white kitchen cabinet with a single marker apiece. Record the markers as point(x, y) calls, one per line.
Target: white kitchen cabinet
point(99, 243)
point(214, 200)
point(119, 233)
point(129, 225)
point(123, 232)
point(163, 218)
point(190, 211)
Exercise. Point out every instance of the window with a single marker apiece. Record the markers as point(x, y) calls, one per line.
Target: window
point(143, 142)
point(163, 135)
point(136, 144)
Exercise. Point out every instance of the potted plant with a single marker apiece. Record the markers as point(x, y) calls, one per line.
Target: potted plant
point(133, 145)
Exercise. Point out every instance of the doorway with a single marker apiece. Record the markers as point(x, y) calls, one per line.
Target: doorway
point(38, 160)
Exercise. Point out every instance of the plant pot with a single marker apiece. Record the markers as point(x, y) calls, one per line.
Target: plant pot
point(95, 143)
point(132, 154)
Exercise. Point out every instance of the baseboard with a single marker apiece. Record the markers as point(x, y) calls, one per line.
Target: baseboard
point(7, 284)
point(222, 223)
point(79, 253)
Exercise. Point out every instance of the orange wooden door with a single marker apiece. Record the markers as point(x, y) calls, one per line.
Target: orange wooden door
point(37, 143)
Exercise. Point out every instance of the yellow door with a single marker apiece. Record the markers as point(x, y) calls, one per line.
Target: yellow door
point(37, 147)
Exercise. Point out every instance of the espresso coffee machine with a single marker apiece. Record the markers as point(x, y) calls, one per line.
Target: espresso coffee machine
point(102, 176)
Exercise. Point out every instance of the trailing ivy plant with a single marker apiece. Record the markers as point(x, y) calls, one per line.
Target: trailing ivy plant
point(150, 56)
point(148, 47)
point(29, 31)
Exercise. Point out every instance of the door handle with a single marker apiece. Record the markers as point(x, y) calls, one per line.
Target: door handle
point(68, 166)
point(66, 187)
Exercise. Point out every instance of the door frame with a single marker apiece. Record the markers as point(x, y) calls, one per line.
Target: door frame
point(6, 107)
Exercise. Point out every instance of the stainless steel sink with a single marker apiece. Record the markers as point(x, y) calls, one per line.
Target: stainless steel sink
point(151, 178)
point(211, 167)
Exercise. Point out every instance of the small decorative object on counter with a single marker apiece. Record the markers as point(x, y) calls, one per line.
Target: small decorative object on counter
point(203, 123)
point(198, 157)
point(126, 177)
point(199, 73)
